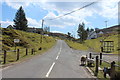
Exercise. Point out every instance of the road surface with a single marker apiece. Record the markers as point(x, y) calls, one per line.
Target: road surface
point(59, 62)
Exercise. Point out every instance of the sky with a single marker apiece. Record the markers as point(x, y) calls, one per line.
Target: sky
point(93, 16)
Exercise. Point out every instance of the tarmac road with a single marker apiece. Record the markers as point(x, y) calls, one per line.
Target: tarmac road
point(59, 62)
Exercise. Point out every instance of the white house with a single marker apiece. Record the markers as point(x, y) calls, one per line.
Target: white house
point(92, 35)
point(100, 33)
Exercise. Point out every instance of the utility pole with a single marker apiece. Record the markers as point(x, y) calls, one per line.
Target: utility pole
point(106, 23)
point(42, 30)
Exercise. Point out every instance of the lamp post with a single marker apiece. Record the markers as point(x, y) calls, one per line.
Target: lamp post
point(106, 23)
point(42, 30)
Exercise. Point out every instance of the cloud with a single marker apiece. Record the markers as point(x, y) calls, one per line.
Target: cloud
point(107, 9)
point(6, 23)
point(33, 23)
point(56, 31)
point(63, 22)
point(16, 4)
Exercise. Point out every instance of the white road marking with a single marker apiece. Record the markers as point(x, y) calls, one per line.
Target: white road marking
point(57, 57)
point(58, 53)
point(71, 50)
point(48, 73)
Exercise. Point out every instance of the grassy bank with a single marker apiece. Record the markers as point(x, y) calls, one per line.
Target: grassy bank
point(27, 40)
point(101, 73)
point(94, 44)
point(76, 45)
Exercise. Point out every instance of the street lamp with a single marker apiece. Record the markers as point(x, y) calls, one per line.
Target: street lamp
point(42, 30)
point(106, 23)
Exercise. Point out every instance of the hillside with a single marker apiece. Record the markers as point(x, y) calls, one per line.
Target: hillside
point(61, 36)
point(27, 40)
point(94, 44)
point(113, 30)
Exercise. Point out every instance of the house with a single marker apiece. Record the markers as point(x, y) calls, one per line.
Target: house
point(46, 35)
point(35, 30)
point(92, 35)
point(99, 34)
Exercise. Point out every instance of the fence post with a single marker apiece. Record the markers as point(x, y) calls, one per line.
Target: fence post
point(96, 69)
point(4, 57)
point(100, 58)
point(18, 54)
point(32, 51)
point(26, 51)
point(90, 55)
point(112, 73)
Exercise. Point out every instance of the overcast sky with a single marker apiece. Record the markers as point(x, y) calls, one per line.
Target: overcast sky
point(93, 16)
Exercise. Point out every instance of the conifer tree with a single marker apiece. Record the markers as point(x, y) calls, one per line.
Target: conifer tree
point(20, 21)
point(82, 33)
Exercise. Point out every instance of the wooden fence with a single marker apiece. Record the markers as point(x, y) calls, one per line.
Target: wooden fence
point(99, 61)
point(17, 54)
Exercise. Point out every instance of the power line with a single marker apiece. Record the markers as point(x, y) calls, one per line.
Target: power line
point(73, 11)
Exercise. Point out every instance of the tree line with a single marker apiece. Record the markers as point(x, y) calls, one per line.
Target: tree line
point(82, 32)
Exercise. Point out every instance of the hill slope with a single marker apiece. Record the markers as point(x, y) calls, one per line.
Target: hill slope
point(94, 44)
point(27, 40)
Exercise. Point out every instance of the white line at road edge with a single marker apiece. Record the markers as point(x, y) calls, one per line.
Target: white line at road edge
point(50, 69)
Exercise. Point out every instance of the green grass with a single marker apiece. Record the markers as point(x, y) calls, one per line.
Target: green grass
point(27, 40)
point(76, 45)
point(100, 73)
point(94, 44)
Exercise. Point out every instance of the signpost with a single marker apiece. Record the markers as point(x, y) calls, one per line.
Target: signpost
point(16, 41)
point(107, 46)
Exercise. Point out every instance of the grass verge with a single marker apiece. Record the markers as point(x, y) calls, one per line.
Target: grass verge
point(27, 40)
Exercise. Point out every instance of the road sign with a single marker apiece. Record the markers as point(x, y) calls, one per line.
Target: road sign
point(16, 40)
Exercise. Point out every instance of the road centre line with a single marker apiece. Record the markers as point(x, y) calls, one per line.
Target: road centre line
point(48, 73)
point(57, 57)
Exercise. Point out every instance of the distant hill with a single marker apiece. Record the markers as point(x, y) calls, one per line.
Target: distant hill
point(61, 36)
point(113, 29)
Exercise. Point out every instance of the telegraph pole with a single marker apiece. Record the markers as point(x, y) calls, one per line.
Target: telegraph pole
point(42, 30)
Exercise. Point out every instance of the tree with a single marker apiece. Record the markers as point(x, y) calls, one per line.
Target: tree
point(82, 33)
point(69, 34)
point(88, 30)
point(91, 30)
point(20, 21)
